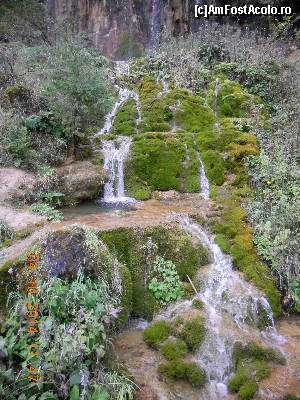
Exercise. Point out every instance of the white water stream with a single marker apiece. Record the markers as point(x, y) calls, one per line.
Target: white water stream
point(122, 68)
point(204, 182)
point(115, 154)
point(116, 151)
point(233, 310)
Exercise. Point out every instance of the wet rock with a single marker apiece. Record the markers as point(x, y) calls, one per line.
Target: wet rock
point(80, 181)
point(169, 195)
point(65, 252)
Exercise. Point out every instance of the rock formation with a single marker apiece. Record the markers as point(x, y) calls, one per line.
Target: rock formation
point(122, 28)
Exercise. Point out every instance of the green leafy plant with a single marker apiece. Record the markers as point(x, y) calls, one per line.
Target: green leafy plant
point(45, 210)
point(55, 198)
point(165, 284)
point(75, 318)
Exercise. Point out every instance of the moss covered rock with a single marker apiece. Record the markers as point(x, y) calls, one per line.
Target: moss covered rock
point(193, 333)
point(189, 371)
point(157, 333)
point(253, 364)
point(137, 249)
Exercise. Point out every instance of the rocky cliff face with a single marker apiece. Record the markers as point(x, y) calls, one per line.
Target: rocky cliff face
point(122, 28)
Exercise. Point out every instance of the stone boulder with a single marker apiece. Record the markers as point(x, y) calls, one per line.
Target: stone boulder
point(65, 251)
point(81, 180)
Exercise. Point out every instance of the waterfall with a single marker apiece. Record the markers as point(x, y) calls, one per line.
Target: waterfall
point(204, 182)
point(122, 68)
point(229, 301)
point(115, 154)
point(155, 21)
point(232, 308)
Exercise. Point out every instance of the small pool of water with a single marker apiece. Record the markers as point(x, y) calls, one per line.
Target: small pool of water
point(95, 207)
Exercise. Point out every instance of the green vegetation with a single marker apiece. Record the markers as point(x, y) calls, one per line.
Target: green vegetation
point(165, 284)
point(138, 249)
point(157, 333)
point(197, 303)
point(252, 366)
point(174, 349)
point(188, 337)
point(193, 333)
point(156, 163)
point(125, 121)
point(70, 313)
point(189, 371)
point(45, 210)
point(6, 234)
point(54, 92)
point(251, 87)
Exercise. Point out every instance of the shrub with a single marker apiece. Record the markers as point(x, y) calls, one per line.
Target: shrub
point(157, 333)
point(74, 320)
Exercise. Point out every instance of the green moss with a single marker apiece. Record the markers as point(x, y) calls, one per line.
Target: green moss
point(156, 160)
point(214, 167)
point(198, 304)
point(153, 107)
point(252, 365)
point(193, 333)
point(188, 371)
point(223, 242)
point(232, 101)
point(173, 243)
point(157, 333)
point(174, 349)
point(173, 370)
point(239, 237)
point(127, 295)
point(248, 390)
point(125, 121)
point(252, 350)
point(291, 397)
point(235, 383)
point(195, 375)
point(192, 115)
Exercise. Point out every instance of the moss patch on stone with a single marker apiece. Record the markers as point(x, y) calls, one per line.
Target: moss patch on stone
point(125, 120)
point(157, 333)
point(174, 349)
point(129, 245)
point(193, 333)
point(252, 364)
point(188, 371)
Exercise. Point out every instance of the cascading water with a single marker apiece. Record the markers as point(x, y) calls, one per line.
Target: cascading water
point(115, 154)
point(204, 182)
point(122, 68)
point(116, 151)
point(233, 308)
